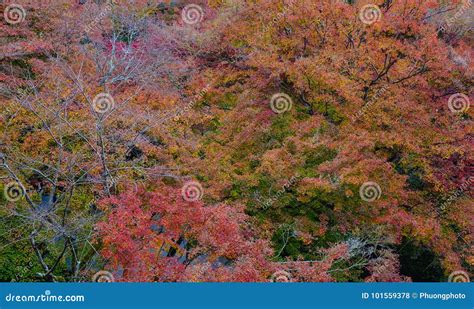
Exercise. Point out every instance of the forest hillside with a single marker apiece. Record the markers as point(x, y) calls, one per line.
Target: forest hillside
point(266, 140)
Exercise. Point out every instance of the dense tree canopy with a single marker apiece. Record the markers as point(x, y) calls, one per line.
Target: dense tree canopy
point(289, 140)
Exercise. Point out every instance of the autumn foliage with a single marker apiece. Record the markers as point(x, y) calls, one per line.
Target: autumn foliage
point(365, 102)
